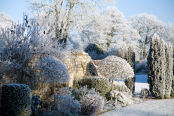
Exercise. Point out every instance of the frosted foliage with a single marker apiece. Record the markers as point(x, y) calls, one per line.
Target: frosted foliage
point(16, 100)
point(157, 67)
point(82, 91)
point(21, 43)
point(53, 70)
point(92, 104)
point(64, 18)
point(169, 70)
point(147, 25)
point(5, 20)
point(115, 66)
point(109, 28)
point(67, 104)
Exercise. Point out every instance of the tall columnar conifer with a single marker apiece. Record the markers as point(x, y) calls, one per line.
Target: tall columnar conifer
point(130, 57)
point(169, 70)
point(157, 67)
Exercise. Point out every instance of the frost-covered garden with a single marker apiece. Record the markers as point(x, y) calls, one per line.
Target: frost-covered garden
point(71, 59)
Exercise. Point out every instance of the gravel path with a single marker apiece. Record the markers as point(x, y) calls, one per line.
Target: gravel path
point(146, 108)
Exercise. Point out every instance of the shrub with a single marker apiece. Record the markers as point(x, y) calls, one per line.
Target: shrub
point(95, 52)
point(119, 87)
point(92, 104)
point(35, 103)
point(113, 66)
point(100, 84)
point(66, 104)
point(16, 100)
point(91, 69)
point(82, 91)
point(53, 70)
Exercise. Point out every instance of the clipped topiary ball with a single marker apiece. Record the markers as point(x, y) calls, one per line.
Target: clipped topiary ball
point(100, 84)
point(91, 104)
point(53, 70)
point(16, 100)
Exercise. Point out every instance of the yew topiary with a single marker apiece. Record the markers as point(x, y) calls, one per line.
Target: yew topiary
point(100, 84)
point(16, 100)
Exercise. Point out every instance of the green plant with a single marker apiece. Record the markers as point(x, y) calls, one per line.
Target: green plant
point(82, 91)
point(169, 70)
point(100, 84)
point(157, 67)
point(130, 58)
point(16, 100)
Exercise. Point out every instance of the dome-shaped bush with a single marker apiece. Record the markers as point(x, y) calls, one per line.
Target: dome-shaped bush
point(115, 66)
point(91, 104)
point(53, 70)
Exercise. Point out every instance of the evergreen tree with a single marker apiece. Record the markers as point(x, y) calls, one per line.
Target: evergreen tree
point(157, 67)
point(130, 57)
point(169, 70)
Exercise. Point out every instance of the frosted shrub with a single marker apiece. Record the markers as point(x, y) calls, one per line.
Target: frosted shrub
point(16, 100)
point(113, 66)
point(66, 104)
point(95, 51)
point(92, 104)
point(35, 102)
point(20, 44)
point(53, 70)
point(121, 87)
point(100, 84)
point(82, 91)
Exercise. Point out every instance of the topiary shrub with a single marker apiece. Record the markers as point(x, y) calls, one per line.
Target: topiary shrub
point(53, 70)
point(82, 91)
point(95, 51)
point(113, 66)
point(67, 105)
point(91, 104)
point(91, 69)
point(16, 100)
point(100, 84)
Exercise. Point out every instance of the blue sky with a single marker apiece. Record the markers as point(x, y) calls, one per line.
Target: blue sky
point(163, 9)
